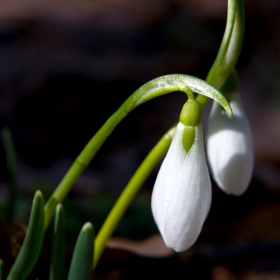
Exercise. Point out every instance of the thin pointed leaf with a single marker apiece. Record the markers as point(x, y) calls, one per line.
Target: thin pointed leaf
point(58, 246)
point(32, 243)
point(81, 264)
point(11, 159)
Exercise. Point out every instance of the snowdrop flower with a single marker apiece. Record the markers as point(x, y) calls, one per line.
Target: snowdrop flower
point(230, 147)
point(182, 193)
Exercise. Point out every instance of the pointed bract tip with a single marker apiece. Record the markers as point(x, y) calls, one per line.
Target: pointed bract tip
point(229, 111)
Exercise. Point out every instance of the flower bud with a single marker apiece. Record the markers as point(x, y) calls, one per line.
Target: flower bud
point(230, 147)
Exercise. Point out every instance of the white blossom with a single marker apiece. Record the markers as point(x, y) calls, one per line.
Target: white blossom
point(230, 147)
point(182, 193)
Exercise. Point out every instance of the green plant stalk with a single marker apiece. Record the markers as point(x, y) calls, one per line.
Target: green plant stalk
point(229, 50)
point(11, 159)
point(2, 270)
point(129, 193)
point(81, 264)
point(57, 271)
point(32, 243)
point(152, 89)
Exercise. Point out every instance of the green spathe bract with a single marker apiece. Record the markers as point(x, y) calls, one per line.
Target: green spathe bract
point(179, 82)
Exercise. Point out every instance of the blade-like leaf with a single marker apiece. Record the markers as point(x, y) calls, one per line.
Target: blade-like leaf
point(32, 243)
point(81, 264)
point(58, 246)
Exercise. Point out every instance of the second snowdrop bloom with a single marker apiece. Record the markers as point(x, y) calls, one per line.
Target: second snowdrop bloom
point(182, 193)
point(230, 147)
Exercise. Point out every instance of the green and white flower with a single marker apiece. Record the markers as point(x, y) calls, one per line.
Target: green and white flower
point(181, 197)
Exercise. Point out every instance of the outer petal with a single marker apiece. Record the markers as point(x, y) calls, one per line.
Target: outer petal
point(182, 193)
point(230, 148)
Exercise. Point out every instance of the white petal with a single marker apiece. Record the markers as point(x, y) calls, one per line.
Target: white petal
point(230, 148)
point(182, 193)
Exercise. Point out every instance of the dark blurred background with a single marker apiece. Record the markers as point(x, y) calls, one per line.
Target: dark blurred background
point(67, 65)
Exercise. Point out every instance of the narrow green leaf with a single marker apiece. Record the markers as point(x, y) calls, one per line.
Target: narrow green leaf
point(11, 159)
point(2, 270)
point(32, 243)
point(58, 246)
point(81, 264)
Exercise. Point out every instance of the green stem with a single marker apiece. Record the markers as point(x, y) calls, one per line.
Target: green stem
point(152, 89)
point(229, 50)
point(62, 189)
point(130, 191)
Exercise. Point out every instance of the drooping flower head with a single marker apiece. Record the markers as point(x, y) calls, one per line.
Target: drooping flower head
point(182, 193)
point(230, 146)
